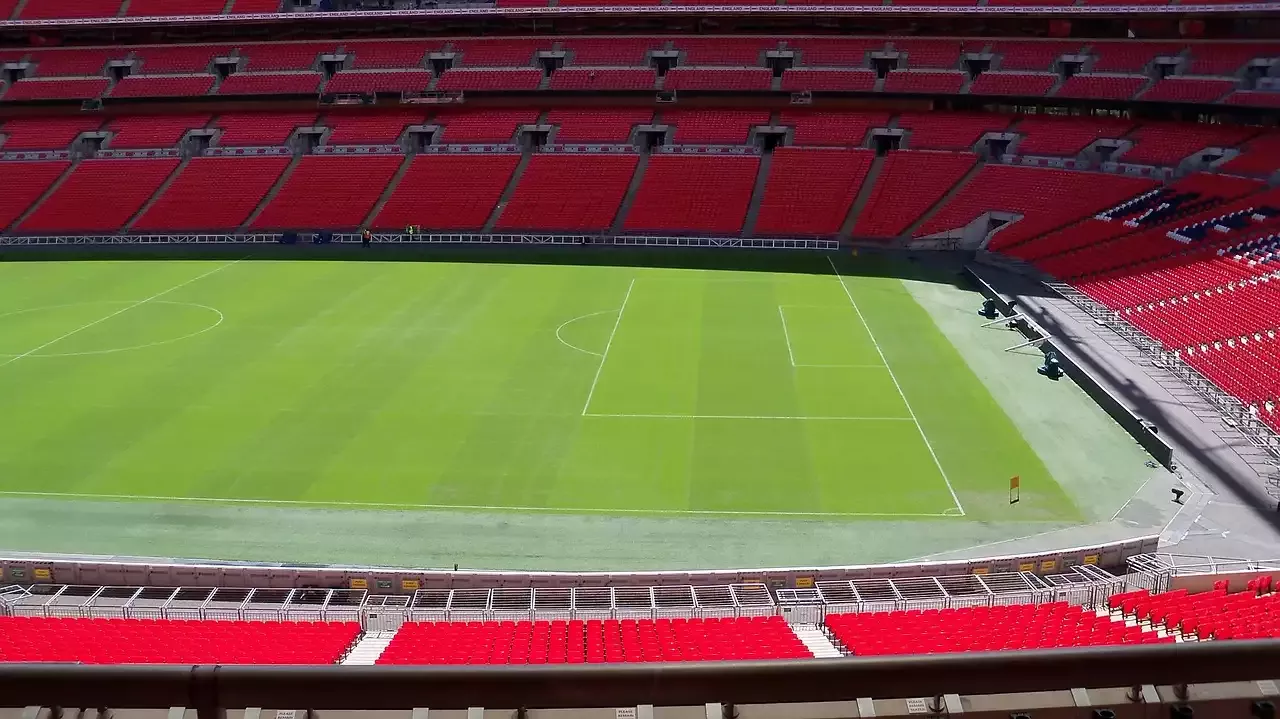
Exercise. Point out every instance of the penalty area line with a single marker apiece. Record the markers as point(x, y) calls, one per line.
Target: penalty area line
point(460, 507)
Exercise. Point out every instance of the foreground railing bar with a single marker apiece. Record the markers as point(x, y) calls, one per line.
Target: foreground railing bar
point(211, 689)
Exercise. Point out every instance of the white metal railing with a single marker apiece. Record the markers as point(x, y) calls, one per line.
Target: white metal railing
point(431, 239)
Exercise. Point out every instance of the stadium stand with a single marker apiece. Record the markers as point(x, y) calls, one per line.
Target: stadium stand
point(389, 54)
point(447, 192)
point(1129, 56)
point(1037, 56)
point(397, 81)
point(165, 641)
point(163, 86)
point(715, 127)
point(259, 129)
point(483, 126)
point(45, 133)
point(26, 182)
point(930, 131)
point(832, 129)
point(1228, 58)
point(152, 131)
point(835, 52)
point(1170, 144)
point(514, 52)
point(697, 78)
point(823, 80)
point(99, 195)
point(1065, 137)
point(162, 59)
point(694, 193)
point(733, 51)
point(594, 641)
point(212, 194)
point(607, 52)
point(1261, 156)
point(810, 191)
point(929, 53)
point(56, 89)
point(1013, 83)
point(158, 8)
point(569, 194)
point(285, 55)
point(58, 9)
point(909, 184)
point(1184, 89)
point(1217, 614)
point(597, 126)
point(255, 6)
point(359, 128)
point(271, 83)
point(328, 192)
point(1020, 626)
point(1103, 87)
point(926, 81)
point(1045, 198)
point(604, 78)
point(490, 79)
point(74, 62)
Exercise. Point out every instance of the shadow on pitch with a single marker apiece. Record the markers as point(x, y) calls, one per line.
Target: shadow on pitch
point(935, 267)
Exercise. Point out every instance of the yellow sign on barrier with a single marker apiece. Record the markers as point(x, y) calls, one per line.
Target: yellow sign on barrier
point(357, 583)
point(42, 574)
point(410, 585)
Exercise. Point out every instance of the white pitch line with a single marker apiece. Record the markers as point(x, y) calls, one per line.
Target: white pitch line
point(566, 323)
point(751, 416)
point(894, 377)
point(605, 356)
point(120, 311)
point(843, 366)
point(468, 507)
point(787, 336)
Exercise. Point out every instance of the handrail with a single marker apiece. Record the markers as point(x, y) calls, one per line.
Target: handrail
point(212, 689)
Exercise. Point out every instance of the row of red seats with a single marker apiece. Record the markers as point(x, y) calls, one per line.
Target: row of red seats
point(164, 641)
point(975, 629)
point(594, 641)
point(1247, 368)
point(1217, 614)
point(1134, 57)
point(56, 10)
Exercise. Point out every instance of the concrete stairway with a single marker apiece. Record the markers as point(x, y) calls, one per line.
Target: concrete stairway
point(368, 649)
point(815, 640)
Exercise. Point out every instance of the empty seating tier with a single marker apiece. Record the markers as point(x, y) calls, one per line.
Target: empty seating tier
point(100, 195)
point(927, 81)
point(1103, 87)
point(212, 194)
point(24, 183)
point(447, 192)
point(909, 184)
point(1013, 83)
point(484, 126)
point(160, 8)
point(594, 641)
point(604, 78)
point(828, 80)
point(694, 193)
point(163, 86)
point(486, 79)
point(978, 629)
point(249, 129)
point(271, 83)
point(832, 129)
point(45, 133)
point(391, 81)
point(382, 128)
point(166, 641)
point(328, 192)
point(810, 191)
point(714, 127)
point(701, 78)
point(152, 131)
point(1044, 199)
point(1218, 614)
point(568, 193)
point(57, 89)
point(597, 126)
point(1065, 137)
point(934, 131)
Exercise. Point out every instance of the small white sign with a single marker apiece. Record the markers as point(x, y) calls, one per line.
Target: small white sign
point(624, 713)
point(917, 706)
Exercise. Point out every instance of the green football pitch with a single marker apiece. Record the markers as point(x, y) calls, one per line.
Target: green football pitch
point(822, 392)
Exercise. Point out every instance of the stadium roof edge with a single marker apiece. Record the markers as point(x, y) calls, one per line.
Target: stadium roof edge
point(643, 10)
